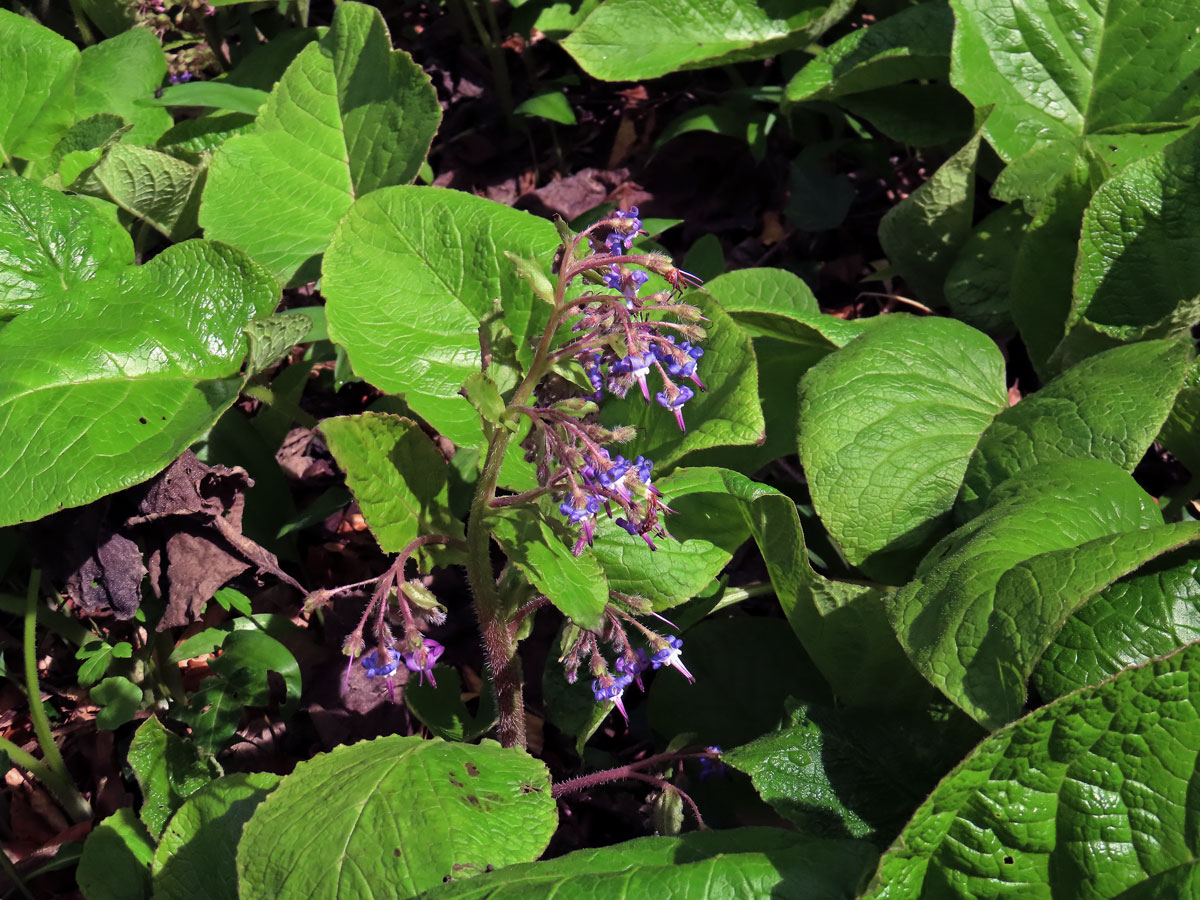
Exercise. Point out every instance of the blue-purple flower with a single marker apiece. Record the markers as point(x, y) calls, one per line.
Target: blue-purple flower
point(667, 653)
point(377, 667)
point(423, 659)
point(610, 688)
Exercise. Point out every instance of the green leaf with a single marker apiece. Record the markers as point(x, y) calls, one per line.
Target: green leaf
point(790, 334)
point(97, 656)
point(442, 710)
point(924, 114)
point(1061, 69)
point(1109, 407)
point(728, 413)
point(913, 43)
point(707, 531)
point(632, 40)
point(886, 427)
point(1091, 796)
point(168, 770)
point(410, 275)
point(115, 863)
point(859, 773)
point(978, 287)
point(552, 105)
point(739, 864)
point(37, 96)
point(481, 392)
point(746, 671)
point(204, 133)
point(195, 859)
point(842, 626)
point(117, 73)
point(242, 678)
point(271, 339)
point(574, 584)
point(397, 475)
point(1150, 613)
point(79, 148)
point(923, 234)
point(398, 816)
point(213, 94)
point(1181, 431)
point(164, 375)
point(990, 598)
point(50, 243)
point(155, 187)
point(1136, 275)
point(350, 115)
point(1044, 270)
point(745, 122)
point(119, 700)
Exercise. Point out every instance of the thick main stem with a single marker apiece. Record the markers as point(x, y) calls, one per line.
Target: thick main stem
point(499, 640)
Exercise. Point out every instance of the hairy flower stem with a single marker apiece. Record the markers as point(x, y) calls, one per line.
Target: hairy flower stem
point(499, 638)
point(630, 770)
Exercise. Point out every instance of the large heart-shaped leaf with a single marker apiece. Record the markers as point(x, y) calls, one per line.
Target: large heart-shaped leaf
point(887, 425)
point(37, 96)
point(738, 864)
point(1059, 69)
point(409, 275)
point(104, 387)
point(1109, 407)
point(991, 596)
point(1090, 796)
point(632, 40)
point(350, 115)
point(396, 816)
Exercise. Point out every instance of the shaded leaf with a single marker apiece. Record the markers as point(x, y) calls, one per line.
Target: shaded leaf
point(991, 596)
point(195, 859)
point(397, 475)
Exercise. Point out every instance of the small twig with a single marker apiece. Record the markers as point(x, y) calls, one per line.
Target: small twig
point(899, 299)
point(663, 785)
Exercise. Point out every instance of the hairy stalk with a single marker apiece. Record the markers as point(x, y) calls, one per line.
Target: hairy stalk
point(499, 639)
point(630, 770)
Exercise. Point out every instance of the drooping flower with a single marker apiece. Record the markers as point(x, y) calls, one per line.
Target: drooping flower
point(423, 658)
point(667, 653)
point(606, 687)
point(377, 667)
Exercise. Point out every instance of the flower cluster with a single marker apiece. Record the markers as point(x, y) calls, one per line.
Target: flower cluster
point(570, 457)
point(623, 337)
point(631, 663)
point(620, 340)
point(630, 666)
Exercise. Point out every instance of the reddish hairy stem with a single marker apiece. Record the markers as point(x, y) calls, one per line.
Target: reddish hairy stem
point(630, 770)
